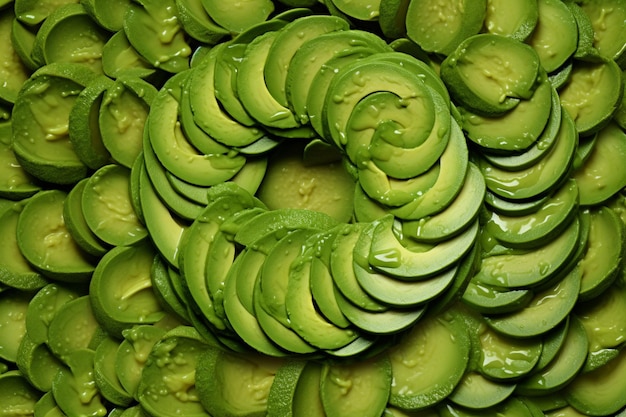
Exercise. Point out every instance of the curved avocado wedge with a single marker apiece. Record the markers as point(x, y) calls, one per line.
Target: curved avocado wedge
point(538, 179)
point(120, 57)
point(475, 75)
point(198, 24)
point(542, 225)
point(301, 309)
point(168, 50)
point(388, 255)
point(287, 42)
point(364, 10)
point(238, 16)
point(552, 304)
point(475, 391)
point(531, 267)
point(108, 14)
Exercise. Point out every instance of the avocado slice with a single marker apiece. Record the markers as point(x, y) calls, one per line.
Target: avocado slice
point(239, 16)
point(478, 392)
point(514, 19)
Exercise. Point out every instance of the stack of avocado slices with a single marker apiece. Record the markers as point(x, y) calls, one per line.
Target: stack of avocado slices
point(312, 208)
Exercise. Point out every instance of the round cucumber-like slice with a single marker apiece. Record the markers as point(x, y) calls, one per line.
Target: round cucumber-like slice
point(121, 288)
point(45, 241)
point(69, 34)
point(438, 346)
point(515, 19)
point(16, 393)
point(14, 72)
point(105, 374)
point(72, 328)
point(107, 14)
point(43, 307)
point(478, 392)
point(13, 307)
point(107, 207)
point(238, 16)
point(37, 363)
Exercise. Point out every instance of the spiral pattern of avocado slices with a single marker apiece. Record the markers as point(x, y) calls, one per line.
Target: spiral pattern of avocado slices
point(484, 250)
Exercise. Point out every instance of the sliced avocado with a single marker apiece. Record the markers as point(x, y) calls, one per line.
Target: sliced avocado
point(609, 175)
point(14, 71)
point(33, 12)
point(594, 109)
point(552, 304)
point(69, 34)
point(287, 42)
point(243, 382)
point(531, 267)
point(42, 145)
point(534, 181)
point(361, 386)
point(166, 292)
point(427, 26)
point(478, 392)
point(43, 307)
point(490, 74)
point(115, 224)
point(109, 15)
point(168, 378)
point(120, 57)
point(555, 37)
point(16, 393)
point(563, 368)
point(491, 299)
point(239, 16)
point(13, 308)
point(429, 349)
point(388, 255)
point(195, 20)
point(606, 19)
point(552, 343)
point(45, 241)
point(514, 19)
point(529, 117)
point(105, 374)
point(37, 363)
point(365, 10)
point(72, 328)
point(119, 299)
point(168, 50)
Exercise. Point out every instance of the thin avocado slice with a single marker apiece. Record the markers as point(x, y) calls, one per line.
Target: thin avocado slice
point(555, 37)
point(475, 77)
point(166, 292)
point(531, 267)
point(281, 395)
point(548, 221)
point(365, 10)
point(534, 181)
point(37, 363)
point(237, 17)
point(123, 115)
point(239, 307)
point(552, 343)
point(514, 19)
point(563, 368)
point(115, 224)
point(529, 117)
point(207, 111)
point(252, 90)
point(609, 175)
point(463, 19)
point(392, 18)
point(15, 270)
point(243, 382)
point(594, 110)
point(552, 304)
point(287, 42)
point(109, 15)
point(195, 20)
point(369, 380)
point(84, 129)
point(14, 71)
point(105, 374)
point(164, 227)
point(429, 349)
point(132, 354)
point(454, 218)
point(120, 57)
point(608, 32)
point(601, 321)
point(33, 12)
point(605, 251)
point(174, 150)
point(69, 34)
point(23, 39)
point(43, 148)
point(512, 406)
point(541, 147)
point(452, 170)
point(301, 309)
point(121, 300)
point(388, 255)
point(45, 241)
point(170, 390)
point(311, 56)
point(168, 50)
point(478, 392)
